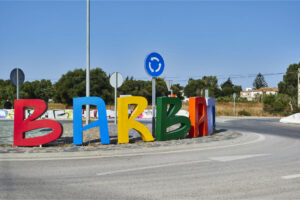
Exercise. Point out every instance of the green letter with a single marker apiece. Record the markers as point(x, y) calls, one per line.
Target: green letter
point(166, 118)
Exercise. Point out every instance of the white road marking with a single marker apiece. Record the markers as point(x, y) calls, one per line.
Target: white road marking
point(291, 176)
point(259, 139)
point(221, 159)
point(152, 167)
point(233, 158)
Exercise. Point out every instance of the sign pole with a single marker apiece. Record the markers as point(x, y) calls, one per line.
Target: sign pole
point(154, 66)
point(234, 96)
point(18, 89)
point(116, 98)
point(234, 106)
point(116, 81)
point(153, 105)
point(17, 78)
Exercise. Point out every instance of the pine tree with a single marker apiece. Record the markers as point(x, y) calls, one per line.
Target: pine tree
point(259, 82)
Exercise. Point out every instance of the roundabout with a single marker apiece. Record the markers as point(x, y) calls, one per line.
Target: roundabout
point(262, 162)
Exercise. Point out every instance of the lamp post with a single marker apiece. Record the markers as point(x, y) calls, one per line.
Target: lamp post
point(87, 58)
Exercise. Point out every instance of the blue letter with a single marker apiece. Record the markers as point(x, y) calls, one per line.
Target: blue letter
point(77, 119)
point(210, 114)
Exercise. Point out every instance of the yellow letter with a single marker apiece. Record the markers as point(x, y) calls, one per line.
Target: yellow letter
point(125, 124)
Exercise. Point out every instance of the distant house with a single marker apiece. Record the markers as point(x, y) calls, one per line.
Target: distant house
point(251, 94)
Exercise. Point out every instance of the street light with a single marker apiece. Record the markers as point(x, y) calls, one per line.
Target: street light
point(87, 58)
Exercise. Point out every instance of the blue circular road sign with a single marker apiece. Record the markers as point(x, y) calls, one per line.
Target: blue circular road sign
point(154, 64)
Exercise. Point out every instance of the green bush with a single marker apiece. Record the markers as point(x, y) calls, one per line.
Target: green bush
point(230, 99)
point(277, 104)
point(244, 113)
point(225, 99)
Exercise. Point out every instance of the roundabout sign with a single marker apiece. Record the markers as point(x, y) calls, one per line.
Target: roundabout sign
point(154, 64)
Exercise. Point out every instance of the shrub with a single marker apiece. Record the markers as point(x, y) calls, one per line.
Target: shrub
point(244, 113)
point(276, 104)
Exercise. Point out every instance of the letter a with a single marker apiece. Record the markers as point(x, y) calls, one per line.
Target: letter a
point(166, 118)
point(198, 116)
point(77, 119)
point(22, 125)
point(125, 123)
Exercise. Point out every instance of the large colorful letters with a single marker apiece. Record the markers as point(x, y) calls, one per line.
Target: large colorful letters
point(125, 123)
point(22, 125)
point(210, 114)
point(77, 119)
point(166, 118)
point(201, 121)
point(198, 116)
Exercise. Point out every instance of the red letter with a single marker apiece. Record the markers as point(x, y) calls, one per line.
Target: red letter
point(198, 116)
point(22, 125)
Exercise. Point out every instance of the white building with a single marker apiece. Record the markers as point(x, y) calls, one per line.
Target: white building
point(251, 94)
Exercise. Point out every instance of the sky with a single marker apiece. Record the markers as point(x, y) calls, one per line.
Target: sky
point(236, 39)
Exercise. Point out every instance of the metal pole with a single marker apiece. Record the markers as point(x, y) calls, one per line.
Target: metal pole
point(87, 58)
point(18, 88)
point(298, 87)
point(153, 106)
point(171, 93)
point(234, 106)
point(116, 98)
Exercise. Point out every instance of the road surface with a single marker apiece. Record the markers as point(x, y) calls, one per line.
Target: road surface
point(262, 164)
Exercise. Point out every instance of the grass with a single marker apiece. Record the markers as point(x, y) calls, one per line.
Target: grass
point(56, 106)
point(226, 109)
point(222, 108)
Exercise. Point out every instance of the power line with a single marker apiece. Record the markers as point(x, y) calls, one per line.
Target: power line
point(176, 78)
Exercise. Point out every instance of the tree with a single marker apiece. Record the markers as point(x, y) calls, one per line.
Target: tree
point(177, 89)
point(194, 86)
point(290, 83)
point(143, 88)
point(259, 82)
point(7, 92)
point(29, 90)
point(37, 90)
point(228, 83)
point(228, 88)
point(72, 84)
point(276, 104)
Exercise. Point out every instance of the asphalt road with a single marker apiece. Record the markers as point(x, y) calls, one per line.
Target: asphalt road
point(262, 164)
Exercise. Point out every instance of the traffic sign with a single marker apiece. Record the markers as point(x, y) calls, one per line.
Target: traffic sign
point(15, 74)
point(169, 84)
point(154, 64)
point(17, 77)
point(116, 79)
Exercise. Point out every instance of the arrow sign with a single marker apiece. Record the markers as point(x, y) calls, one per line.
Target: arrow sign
point(169, 84)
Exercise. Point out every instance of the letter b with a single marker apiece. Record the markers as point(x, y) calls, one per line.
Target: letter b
point(22, 125)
